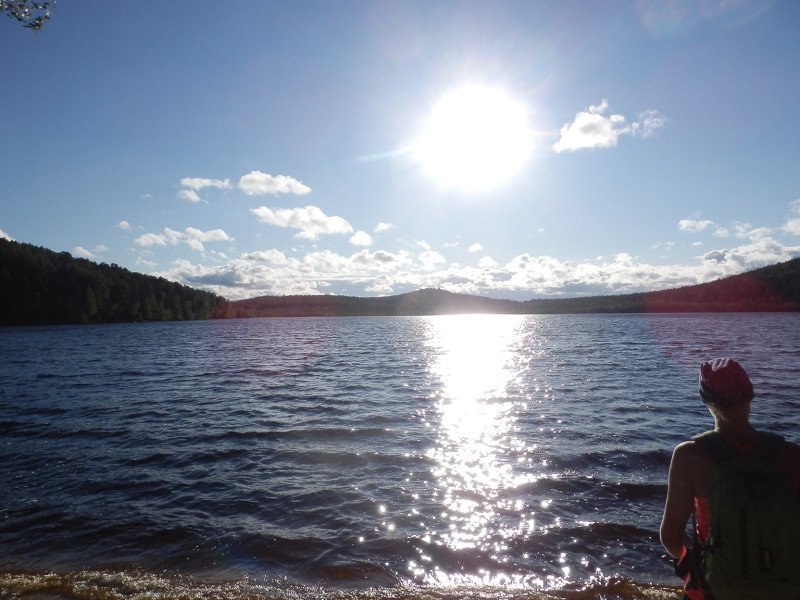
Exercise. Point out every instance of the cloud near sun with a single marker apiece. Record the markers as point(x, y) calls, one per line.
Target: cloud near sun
point(593, 129)
point(310, 221)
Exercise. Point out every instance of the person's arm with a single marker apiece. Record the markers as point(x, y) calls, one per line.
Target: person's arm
point(680, 501)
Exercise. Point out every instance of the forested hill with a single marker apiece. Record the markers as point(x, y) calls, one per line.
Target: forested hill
point(39, 286)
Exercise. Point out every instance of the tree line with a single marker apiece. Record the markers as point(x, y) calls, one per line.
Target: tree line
point(39, 287)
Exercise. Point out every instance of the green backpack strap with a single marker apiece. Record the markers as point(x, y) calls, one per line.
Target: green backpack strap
point(713, 443)
point(767, 446)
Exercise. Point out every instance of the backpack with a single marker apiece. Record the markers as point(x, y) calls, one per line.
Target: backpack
point(753, 546)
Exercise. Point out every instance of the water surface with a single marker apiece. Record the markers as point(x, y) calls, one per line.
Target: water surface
point(342, 457)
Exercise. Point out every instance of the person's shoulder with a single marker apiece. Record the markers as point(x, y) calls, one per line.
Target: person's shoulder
point(690, 452)
point(689, 448)
point(691, 468)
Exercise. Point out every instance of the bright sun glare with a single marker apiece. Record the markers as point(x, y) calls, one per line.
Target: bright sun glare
point(476, 138)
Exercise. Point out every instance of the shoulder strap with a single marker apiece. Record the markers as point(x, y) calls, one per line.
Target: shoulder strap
point(713, 443)
point(768, 447)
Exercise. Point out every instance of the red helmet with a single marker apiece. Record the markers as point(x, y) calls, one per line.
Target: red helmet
point(724, 381)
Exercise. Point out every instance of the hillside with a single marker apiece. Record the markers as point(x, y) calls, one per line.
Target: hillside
point(422, 302)
point(42, 287)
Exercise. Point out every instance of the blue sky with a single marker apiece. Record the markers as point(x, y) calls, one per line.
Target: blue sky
point(509, 149)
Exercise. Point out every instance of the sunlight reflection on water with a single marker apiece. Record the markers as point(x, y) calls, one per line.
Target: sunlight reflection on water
point(478, 453)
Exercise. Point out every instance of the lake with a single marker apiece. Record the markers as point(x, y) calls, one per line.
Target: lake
point(475, 456)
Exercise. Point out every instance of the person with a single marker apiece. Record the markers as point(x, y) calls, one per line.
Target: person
point(727, 392)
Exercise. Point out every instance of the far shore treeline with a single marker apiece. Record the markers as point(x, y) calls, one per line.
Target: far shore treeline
point(42, 287)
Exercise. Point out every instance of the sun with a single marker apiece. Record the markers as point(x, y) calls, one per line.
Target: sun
point(476, 138)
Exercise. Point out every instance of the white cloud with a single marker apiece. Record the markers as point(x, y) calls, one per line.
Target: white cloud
point(649, 122)
point(82, 252)
point(273, 256)
point(381, 227)
point(192, 237)
point(194, 244)
point(663, 246)
point(380, 286)
point(310, 221)
point(747, 231)
point(475, 248)
point(146, 263)
point(213, 235)
point(592, 129)
point(198, 183)
point(271, 272)
point(423, 244)
point(5, 236)
point(326, 262)
point(487, 262)
point(721, 232)
point(694, 225)
point(258, 183)
point(759, 253)
point(380, 260)
point(124, 225)
point(431, 258)
point(150, 239)
point(792, 226)
point(742, 230)
point(172, 237)
point(189, 195)
point(243, 279)
point(361, 238)
point(195, 184)
point(92, 254)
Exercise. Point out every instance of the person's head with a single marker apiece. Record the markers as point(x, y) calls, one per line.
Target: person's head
point(724, 385)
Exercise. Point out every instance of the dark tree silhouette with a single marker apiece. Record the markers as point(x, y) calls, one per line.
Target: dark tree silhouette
point(31, 14)
point(39, 286)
